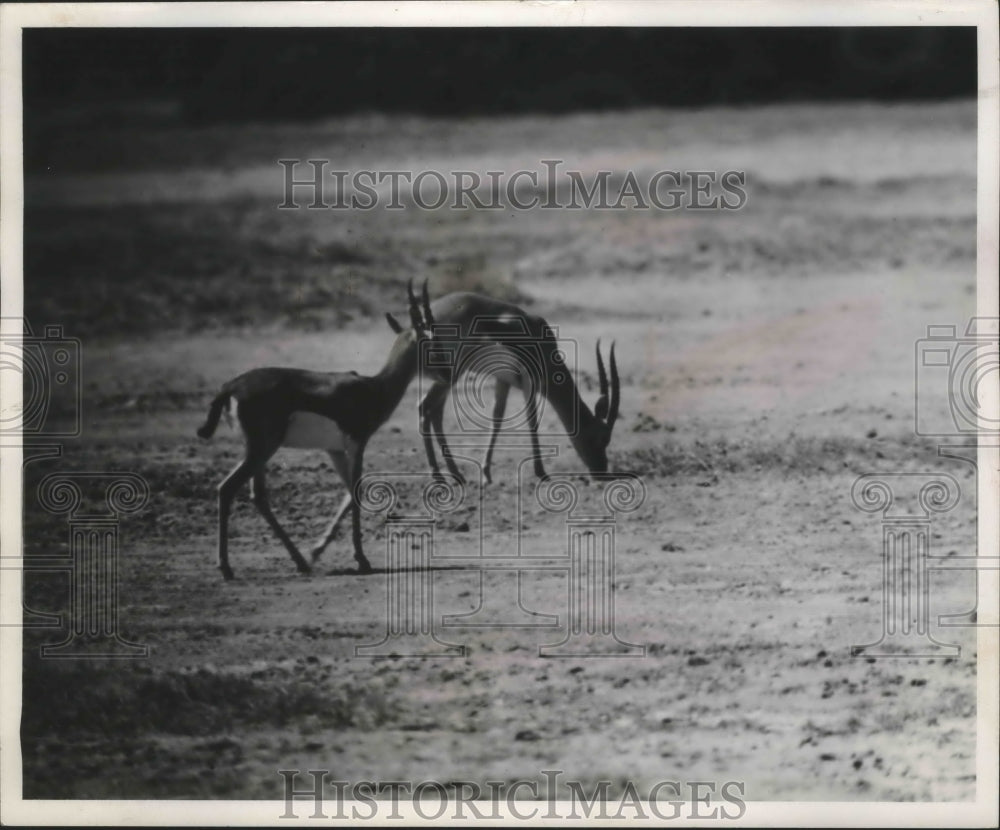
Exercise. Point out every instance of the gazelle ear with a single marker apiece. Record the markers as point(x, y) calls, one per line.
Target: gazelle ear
point(415, 319)
point(601, 408)
point(393, 323)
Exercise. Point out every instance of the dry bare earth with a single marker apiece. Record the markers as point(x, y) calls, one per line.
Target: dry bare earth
point(767, 361)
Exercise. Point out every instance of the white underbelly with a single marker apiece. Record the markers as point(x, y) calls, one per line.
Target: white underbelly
point(309, 431)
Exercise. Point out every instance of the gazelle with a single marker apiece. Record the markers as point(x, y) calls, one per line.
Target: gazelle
point(333, 411)
point(493, 332)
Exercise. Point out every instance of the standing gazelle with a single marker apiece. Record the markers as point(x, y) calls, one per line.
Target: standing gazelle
point(492, 334)
point(333, 411)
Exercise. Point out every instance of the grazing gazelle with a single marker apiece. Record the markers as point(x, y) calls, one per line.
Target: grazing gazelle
point(333, 411)
point(493, 336)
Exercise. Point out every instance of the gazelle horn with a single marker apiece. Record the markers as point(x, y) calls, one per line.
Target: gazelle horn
point(426, 300)
point(601, 409)
point(615, 390)
point(415, 318)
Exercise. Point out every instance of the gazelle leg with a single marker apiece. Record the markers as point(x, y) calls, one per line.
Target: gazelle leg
point(499, 407)
point(260, 501)
point(355, 457)
point(230, 485)
point(426, 428)
point(437, 420)
point(532, 403)
point(339, 460)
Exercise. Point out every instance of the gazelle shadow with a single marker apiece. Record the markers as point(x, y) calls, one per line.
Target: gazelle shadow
point(376, 571)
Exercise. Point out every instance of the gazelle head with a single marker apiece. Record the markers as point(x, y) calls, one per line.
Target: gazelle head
point(420, 313)
point(594, 434)
point(405, 352)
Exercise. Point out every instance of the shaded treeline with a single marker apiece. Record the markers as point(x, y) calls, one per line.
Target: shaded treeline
point(246, 74)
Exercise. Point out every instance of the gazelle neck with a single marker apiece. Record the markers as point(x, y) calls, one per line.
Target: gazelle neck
point(568, 405)
point(576, 417)
point(395, 376)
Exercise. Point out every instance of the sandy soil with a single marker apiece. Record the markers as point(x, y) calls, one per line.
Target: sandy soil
point(767, 362)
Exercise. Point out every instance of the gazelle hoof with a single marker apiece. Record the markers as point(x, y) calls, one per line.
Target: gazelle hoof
point(227, 572)
point(365, 567)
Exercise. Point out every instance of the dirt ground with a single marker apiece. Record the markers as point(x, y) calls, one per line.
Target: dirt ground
point(767, 361)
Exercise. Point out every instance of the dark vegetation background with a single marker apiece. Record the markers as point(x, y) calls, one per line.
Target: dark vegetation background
point(117, 101)
point(244, 74)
